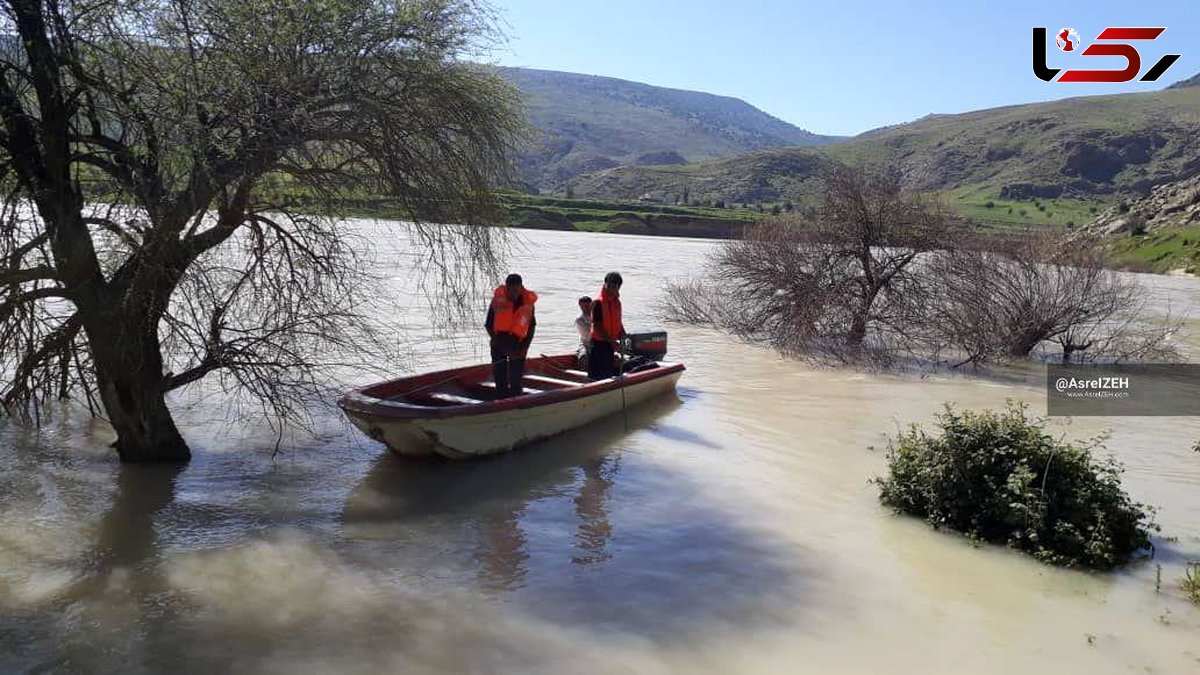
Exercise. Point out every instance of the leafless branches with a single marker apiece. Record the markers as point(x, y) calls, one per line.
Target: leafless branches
point(1041, 291)
point(875, 273)
point(837, 283)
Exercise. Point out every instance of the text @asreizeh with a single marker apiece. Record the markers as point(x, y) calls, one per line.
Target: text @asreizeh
point(1123, 389)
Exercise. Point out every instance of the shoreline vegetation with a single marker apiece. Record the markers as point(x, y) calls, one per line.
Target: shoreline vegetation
point(1169, 251)
point(1172, 251)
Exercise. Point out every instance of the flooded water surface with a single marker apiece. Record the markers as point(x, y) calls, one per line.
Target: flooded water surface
point(731, 528)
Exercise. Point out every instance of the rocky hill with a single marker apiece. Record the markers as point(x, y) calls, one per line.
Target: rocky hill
point(1090, 150)
point(1175, 204)
point(586, 123)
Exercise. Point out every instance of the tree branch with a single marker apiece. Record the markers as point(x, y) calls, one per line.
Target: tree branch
point(32, 274)
point(7, 308)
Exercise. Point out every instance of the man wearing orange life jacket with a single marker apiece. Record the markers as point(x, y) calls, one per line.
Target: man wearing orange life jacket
point(510, 324)
point(607, 329)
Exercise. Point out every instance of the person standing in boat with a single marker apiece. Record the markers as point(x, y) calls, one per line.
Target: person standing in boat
point(583, 326)
point(607, 329)
point(510, 324)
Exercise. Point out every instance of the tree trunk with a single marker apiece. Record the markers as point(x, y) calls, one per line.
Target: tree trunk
point(129, 373)
point(858, 324)
point(858, 330)
point(1024, 343)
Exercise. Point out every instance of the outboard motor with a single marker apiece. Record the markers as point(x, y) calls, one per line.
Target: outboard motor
point(644, 350)
point(650, 344)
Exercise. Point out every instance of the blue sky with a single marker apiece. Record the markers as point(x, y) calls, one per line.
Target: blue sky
point(841, 66)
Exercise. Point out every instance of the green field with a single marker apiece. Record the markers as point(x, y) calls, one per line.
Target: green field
point(590, 215)
point(978, 203)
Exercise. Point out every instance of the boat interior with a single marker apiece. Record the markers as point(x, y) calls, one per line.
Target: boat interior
point(473, 386)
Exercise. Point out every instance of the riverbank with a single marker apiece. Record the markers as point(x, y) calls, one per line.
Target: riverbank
point(1167, 251)
point(552, 213)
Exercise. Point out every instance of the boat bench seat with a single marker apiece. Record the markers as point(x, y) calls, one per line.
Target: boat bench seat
point(553, 382)
point(491, 386)
point(453, 398)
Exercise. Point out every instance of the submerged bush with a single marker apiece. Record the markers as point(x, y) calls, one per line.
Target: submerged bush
point(999, 477)
point(1191, 582)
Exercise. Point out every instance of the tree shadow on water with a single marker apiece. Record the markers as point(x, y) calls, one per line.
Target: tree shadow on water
point(590, 530)
point(126, 535)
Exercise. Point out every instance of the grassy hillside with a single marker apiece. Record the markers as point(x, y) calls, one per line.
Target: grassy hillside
point(1059, 162)
point(538, 212)
point(1164, 250)
point(587, 123)
point(1157, 233)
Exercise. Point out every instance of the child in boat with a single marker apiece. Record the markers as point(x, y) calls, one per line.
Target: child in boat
point(583, 326)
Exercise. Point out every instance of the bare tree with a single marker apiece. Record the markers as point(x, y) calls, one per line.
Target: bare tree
point(874, 273)
point(157, 158)
point(837, 282)
point(1041, 290)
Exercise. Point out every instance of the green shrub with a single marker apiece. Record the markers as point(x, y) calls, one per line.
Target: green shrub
point(1000, 478)
point(989, 204)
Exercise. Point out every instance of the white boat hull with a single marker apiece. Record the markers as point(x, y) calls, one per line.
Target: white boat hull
point(468, 436)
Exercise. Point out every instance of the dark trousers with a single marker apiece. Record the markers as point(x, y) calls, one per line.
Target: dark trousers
point(601, 362)
point(508, 365)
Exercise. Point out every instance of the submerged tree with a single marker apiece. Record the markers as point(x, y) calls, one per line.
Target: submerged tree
point(1038, 291)
point(156, 157)
point(838, 282)
point(875, 272)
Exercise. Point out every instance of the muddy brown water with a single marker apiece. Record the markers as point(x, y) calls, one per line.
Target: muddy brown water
point(732, 529)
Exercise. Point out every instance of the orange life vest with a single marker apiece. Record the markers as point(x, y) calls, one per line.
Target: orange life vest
point(610, 317)
point(507, 320)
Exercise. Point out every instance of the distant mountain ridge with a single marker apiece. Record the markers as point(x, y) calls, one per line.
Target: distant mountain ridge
point(587, 123)
point(1193, 81)
point(1090, 148)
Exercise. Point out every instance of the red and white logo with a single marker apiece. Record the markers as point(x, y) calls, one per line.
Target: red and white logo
point(1067, 40)
point(1106, 44)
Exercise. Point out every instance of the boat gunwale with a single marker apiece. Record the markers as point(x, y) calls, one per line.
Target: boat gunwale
point(357, 401)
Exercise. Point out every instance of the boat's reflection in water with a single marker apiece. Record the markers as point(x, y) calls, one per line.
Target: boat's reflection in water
point(492, 496)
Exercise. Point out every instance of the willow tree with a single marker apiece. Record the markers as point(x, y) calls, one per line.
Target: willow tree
point(157, 158)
